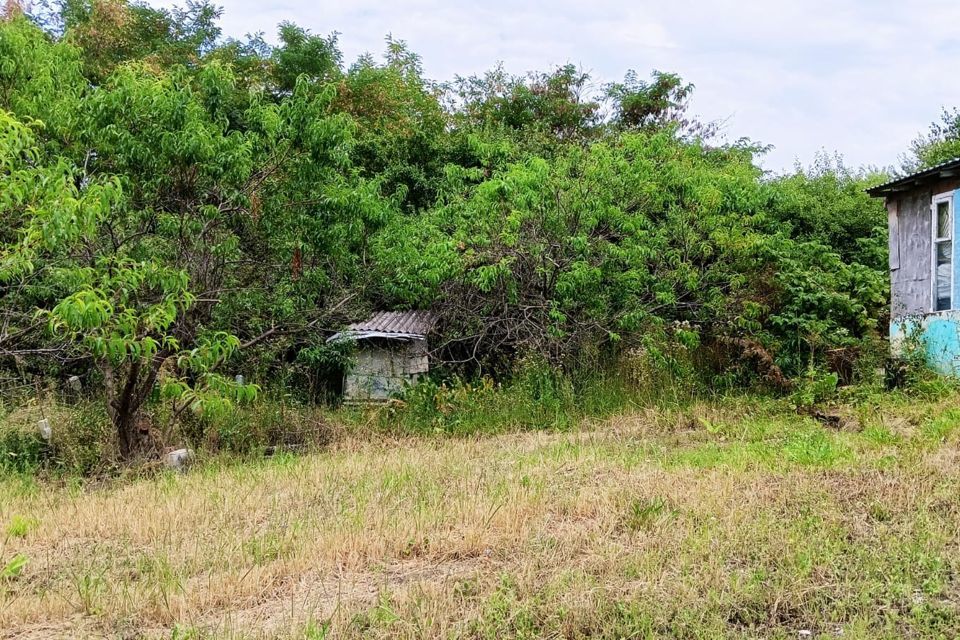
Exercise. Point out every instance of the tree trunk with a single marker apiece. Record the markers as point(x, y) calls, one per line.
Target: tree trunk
point(134, 441)
point(125, 399)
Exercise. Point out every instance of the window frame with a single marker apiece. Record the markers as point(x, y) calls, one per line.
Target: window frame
point(947, 197)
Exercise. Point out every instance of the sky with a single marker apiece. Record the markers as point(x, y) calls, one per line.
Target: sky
point(861, 78)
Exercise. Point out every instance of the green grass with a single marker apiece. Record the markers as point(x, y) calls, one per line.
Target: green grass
point(728, 518)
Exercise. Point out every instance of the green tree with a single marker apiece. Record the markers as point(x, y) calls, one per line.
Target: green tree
point(109, 33)
point(175, 203)
point(537, 111)
point(663, 102)
point(939, 144)
point(827, 203)
point(133, 280)
point(400, 126)
point(301, 53)
point(41, 81)
point(603, 247)
point(43, 208)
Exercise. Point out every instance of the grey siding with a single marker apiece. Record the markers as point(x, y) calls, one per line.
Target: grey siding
point(911, 289)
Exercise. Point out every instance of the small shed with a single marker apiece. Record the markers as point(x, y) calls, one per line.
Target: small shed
point(392, 352)
point(924, 263)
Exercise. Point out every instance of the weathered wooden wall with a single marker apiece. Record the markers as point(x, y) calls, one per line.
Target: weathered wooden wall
point(911, 286)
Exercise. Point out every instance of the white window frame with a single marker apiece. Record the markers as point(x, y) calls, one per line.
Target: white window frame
point(937, 199)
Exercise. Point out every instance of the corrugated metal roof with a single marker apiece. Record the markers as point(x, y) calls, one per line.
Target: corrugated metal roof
point(943, 170)
point(390, 324)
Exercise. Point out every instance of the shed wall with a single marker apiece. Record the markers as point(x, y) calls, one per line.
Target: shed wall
point(939, 335)
point(911, 286)
point(911, 279)
point(384, 367)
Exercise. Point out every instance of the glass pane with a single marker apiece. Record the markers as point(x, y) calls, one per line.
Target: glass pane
point(944, 252)
point(943, 219)
point(944, 271)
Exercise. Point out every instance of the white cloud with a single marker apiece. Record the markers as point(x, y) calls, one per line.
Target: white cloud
point(861, 77)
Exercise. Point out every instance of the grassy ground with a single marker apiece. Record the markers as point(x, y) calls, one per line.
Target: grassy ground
point(739, 519)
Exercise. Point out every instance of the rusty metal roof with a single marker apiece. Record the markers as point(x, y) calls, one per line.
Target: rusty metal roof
point(409, 325)
point(948, 169)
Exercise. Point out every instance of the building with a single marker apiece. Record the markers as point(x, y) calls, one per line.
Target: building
point(924, 262)
point(392, 352)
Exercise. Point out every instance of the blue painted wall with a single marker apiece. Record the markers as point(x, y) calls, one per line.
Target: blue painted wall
point(938, 334)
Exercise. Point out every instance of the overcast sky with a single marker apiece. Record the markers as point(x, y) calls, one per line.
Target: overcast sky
point(860, 77)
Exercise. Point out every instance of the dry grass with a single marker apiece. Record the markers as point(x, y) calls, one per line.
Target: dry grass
point(711, 522)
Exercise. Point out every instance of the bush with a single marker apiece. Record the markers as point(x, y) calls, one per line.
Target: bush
point(82, 440)
point(272, 423)
point(86, 443)
point(814, 388)
point(535, 397)
point(21, 450)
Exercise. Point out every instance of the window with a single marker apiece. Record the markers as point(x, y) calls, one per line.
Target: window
point(942, 252)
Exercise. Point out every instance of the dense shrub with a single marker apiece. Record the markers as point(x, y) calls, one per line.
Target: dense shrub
point(21, 450)
point(178, 208)
point(272, 424)
point(537, 396)
point(592, 251)
point(82, 440)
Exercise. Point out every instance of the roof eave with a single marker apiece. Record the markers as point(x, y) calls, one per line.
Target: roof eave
point(948, 169)
point(365, 335)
